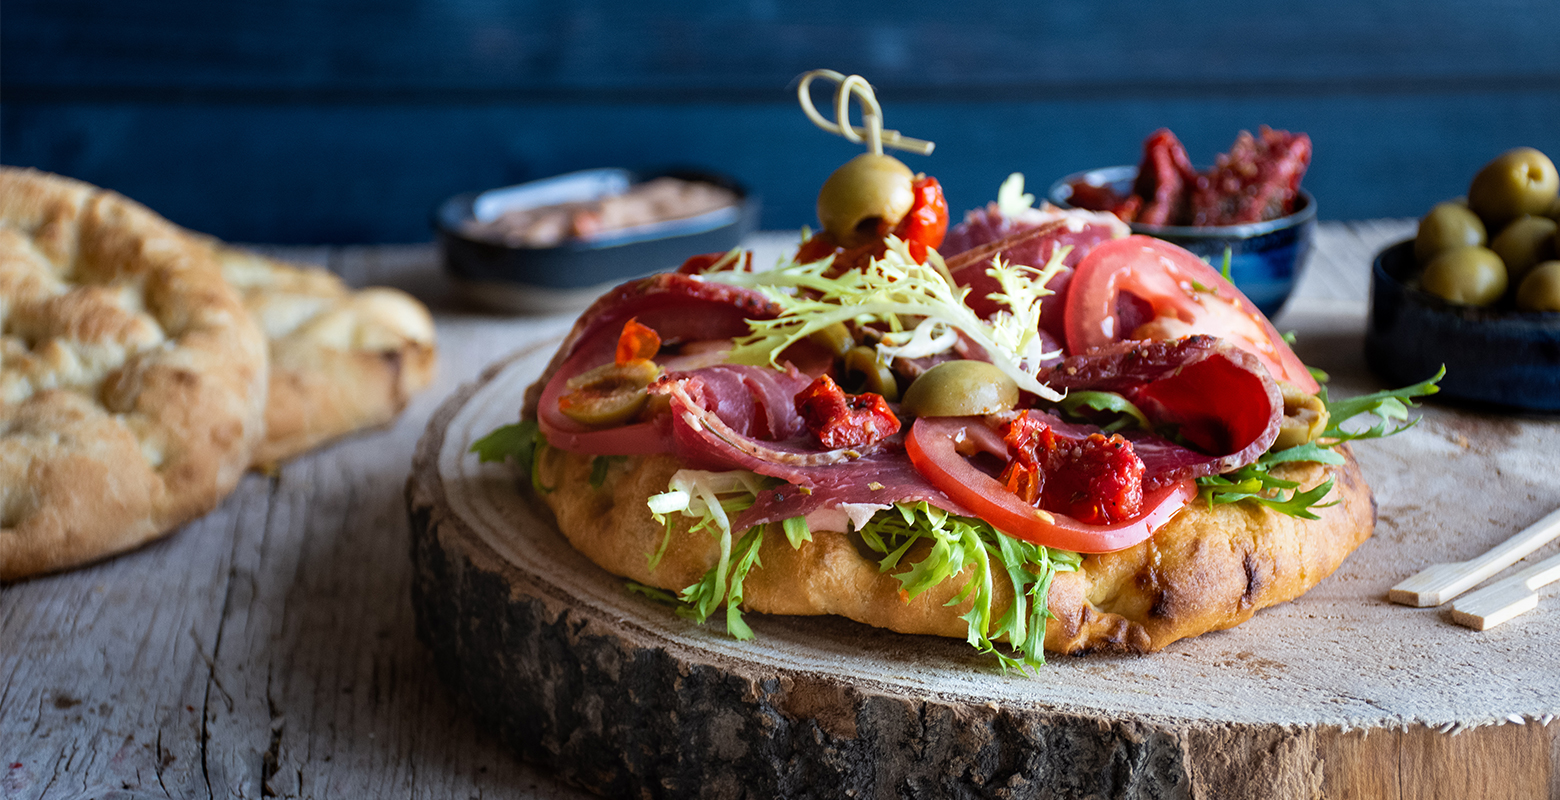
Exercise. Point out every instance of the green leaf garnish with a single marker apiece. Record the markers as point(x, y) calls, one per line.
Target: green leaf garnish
point(599, 466)
point(1131, 415)
point(522, 441)
point(1387, 407)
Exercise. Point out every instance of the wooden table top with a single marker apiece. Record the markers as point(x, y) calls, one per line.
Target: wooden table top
point(268, 649)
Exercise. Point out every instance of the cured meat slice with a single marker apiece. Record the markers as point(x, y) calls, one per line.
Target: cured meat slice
point(987, 232)
point(1218, 397)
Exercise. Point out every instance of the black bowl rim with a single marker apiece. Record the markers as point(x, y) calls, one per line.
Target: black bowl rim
point(461, 206)
point(1512, 319)
point(1248, 230)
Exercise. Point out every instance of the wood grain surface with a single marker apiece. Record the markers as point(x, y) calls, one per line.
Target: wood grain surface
point(269, 648)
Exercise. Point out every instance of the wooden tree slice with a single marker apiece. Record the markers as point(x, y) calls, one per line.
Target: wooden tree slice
point(1339, 694)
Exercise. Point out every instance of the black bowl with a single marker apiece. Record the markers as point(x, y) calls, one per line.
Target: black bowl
point(572, 274)
point(1498, 359)
point(1266, 258)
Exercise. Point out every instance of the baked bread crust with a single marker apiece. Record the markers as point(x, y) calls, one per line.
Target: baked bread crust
point(1207, 569)
point(341, 360)
point(131, 378)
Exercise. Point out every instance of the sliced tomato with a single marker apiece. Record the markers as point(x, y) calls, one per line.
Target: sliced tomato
point(933, 447)
point(1167, 293)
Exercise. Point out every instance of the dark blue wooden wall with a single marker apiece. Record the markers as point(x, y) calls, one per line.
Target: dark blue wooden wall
point(345, 121)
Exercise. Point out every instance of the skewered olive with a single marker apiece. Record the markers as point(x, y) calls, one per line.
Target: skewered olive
point(1540, 290)
point(864, 361)
point(869, 189)
point(1519, 181)
point(960, 389)
point(1449, 224)
point(1305, 417)
point(610, 394)
point(1523, 243)
point(1472, 276)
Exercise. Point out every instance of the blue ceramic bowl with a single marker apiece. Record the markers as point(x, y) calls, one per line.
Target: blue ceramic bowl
point(573, 274)
point(1266, 258)
point(1498, 359)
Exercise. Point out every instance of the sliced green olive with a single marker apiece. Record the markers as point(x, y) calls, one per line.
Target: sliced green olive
point(1523, 243)
point(1519, 181)
point(1472, 276)
point(1540, 290)
point(836, 339)
point(1305, 417)
point(867, 190)
point(879, 378)
point(1447, 225)
point(610, 394)
point(960, 389)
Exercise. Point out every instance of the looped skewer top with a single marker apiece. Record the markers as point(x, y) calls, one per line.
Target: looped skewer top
point(856, 86)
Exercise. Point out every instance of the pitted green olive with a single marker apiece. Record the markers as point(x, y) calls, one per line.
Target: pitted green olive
point(1519, 181)
point(1305, 417)
point(1447, 225)
point(960, 389)
point(610, 394)
point(1472, 276)
point(836, 339)
point(868, 189)
point(878, 377)
point(1540, 290)
point(1523, 243)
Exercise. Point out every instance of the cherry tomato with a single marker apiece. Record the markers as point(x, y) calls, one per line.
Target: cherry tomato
point(933, 445)
point(1178, 294)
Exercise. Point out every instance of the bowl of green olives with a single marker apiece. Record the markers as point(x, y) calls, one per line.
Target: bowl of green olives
point(1266, 258)
point(1477, 290)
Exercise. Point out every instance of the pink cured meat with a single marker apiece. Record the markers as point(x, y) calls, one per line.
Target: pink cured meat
point(1220, 396)
point(679, 308)
point(1081, 230)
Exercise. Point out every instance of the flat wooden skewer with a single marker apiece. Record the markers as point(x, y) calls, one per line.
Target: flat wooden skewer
point(1439, 583)
point(1506, 598)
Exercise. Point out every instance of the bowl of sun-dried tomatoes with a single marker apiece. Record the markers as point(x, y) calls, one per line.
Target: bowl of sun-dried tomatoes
point(1248, 206)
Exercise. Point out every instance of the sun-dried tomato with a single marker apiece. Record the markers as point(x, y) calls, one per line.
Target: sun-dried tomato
point(1097, 480)
point(636, 342)
point(1257, 180)
point(1165, 180)
point(844, 420)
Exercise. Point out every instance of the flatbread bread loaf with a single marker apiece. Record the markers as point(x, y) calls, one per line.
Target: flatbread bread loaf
point(131, 378)
point(1209, 568)
point(341, 360)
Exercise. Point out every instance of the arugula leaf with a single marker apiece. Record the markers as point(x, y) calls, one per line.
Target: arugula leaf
point(522, 441)
point(1107, 401)
point(1385, 406)
point(517, 440)
point(599, 466)
point(964, 546)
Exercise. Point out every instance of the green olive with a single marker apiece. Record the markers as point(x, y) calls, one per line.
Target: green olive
point(1523, 243)
point(836, 339)
point(1517, 182)
point(1449, 224)
point(864, 361)
point(960, 389)
point(1472, 276)
point(867, 190)
point(1540, 290)
point(610, 394)
point(1305, 417)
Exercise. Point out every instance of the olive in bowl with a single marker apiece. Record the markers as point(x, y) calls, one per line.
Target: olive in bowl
point(1499, 358)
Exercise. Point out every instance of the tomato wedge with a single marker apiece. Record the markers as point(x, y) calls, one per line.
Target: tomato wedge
point(1183, 295)
point(932, 447)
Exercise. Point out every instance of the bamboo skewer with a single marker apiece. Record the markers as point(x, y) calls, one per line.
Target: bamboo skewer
point(1439, 583)
point(1504, 599)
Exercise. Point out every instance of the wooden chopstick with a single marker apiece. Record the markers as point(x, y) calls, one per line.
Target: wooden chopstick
point(1504, 599)
point(1439, 583)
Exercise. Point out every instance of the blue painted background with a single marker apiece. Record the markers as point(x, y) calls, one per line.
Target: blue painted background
point(308, 121)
